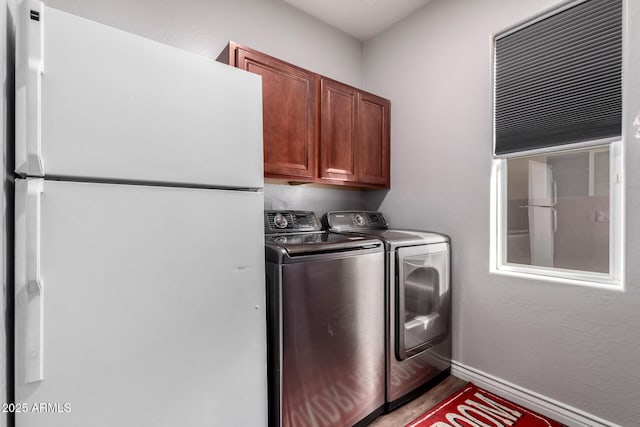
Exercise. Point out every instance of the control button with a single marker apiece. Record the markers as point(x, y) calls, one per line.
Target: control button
point(280, 221)
point(359, 220)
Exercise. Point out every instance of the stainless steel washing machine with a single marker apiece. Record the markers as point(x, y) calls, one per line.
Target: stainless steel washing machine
point(325, 296)
point(417, 301)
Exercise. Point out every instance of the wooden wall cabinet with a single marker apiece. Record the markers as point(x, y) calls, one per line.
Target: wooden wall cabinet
point(317, 129)
point(354, 136)
point(338, 132)
point(289, 109)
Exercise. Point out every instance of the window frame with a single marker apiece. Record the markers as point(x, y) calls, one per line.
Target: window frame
point(499, 265)
point(614, 280)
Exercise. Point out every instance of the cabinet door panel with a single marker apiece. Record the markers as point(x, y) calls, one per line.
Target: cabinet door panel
point(374, 139)
point(289, 110)
point(338, 131)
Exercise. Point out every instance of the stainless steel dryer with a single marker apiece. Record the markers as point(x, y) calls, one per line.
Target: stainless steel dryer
point(418, 303)
point(325, 296)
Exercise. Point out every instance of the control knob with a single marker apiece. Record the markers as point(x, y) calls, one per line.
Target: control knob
point(280, 221)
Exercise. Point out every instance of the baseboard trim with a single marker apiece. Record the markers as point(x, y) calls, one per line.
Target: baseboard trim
point(542, 404)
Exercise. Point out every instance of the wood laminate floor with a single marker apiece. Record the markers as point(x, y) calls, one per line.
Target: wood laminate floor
point(412, 410)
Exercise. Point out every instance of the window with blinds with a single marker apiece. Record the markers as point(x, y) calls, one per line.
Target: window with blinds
point(557, 211)
point(558, 80)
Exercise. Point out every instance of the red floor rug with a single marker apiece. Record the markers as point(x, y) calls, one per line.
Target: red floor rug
point(475, 407)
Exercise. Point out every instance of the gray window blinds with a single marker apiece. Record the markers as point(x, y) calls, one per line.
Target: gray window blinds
point(559, 80)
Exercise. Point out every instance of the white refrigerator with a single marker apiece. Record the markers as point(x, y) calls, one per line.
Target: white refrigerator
point(139, 248)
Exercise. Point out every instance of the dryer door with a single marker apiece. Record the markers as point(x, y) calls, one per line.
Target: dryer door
point(422, 297)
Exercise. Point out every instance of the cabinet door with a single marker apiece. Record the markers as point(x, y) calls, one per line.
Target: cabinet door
point(374, 139)
point(289, 115)
point(338, 131)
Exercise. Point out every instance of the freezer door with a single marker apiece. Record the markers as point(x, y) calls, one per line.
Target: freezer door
point(143, 306)
point(96, 102)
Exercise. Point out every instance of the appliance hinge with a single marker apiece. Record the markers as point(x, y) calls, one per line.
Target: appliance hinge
point(35, 15)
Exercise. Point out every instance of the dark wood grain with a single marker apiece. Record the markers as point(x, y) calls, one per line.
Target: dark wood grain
point(374, 139)
point(354, 136)
point(338, 131)
point(289, 115)
point(315, 129)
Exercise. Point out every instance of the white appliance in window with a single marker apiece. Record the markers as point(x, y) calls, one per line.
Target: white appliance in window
point(137, 300)
point(543, 218)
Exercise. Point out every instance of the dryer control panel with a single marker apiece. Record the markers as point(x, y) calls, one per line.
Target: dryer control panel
point(356, 220)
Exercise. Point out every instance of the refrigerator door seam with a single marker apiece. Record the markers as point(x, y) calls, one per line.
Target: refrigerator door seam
point(144, 183)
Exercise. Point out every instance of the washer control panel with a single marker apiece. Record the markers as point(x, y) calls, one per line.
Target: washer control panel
point(280, 220)
point(355, 220)
point(290, 222)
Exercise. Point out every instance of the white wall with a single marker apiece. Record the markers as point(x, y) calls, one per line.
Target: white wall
point(577, 345)
point(317, 199)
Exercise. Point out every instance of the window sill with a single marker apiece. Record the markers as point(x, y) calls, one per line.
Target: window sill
point(565, 277)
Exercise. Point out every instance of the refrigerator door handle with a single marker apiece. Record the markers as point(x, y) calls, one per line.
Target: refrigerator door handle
point(29, 71)
point(32, 300)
